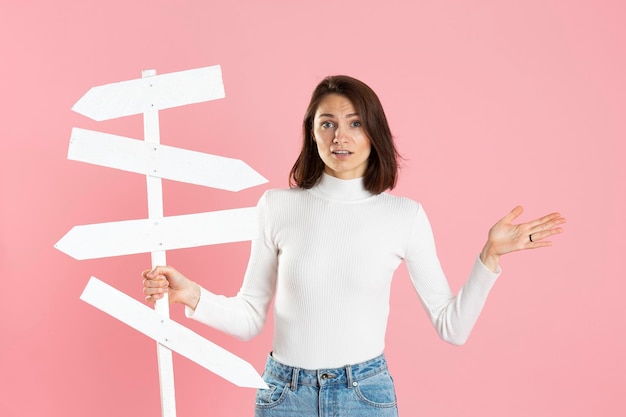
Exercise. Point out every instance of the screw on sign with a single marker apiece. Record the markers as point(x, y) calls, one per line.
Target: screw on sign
point(156, 234)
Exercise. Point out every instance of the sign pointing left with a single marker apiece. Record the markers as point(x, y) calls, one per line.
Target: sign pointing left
point(146, 94)
point(100, 240)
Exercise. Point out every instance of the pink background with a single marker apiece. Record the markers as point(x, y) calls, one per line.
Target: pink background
point(493, 103)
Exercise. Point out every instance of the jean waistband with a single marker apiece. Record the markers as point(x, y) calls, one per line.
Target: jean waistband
point(347, 374)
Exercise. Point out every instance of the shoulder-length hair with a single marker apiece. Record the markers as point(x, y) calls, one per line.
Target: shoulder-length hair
point(382, 167)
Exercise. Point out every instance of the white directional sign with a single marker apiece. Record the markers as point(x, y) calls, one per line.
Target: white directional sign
point(158, 233)
point(128, 237)
point(156, 92)
point(161, 161)
point(171, 334)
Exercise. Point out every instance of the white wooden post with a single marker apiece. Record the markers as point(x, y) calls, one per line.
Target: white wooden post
point(155, 213)
point(158, 233)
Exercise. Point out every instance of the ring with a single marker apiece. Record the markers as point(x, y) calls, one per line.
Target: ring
point(530, 236)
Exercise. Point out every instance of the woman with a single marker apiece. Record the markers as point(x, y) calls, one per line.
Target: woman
point(326, 251)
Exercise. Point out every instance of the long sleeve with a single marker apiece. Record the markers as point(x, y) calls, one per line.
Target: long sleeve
point(452, 316)
point(327, 256)
point(244, 315)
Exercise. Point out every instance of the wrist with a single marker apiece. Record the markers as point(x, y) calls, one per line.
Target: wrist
point(192, 298)
point(489, 257)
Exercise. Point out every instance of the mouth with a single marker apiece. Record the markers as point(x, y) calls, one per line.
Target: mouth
point(341, 152)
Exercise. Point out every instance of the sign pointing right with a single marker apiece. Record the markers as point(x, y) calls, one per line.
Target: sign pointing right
point(162, 161)
point(171, 334)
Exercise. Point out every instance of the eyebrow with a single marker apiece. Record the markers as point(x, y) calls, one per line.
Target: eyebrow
point(332, 115)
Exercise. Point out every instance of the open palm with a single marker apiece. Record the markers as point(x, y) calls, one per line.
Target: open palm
point(505, 237)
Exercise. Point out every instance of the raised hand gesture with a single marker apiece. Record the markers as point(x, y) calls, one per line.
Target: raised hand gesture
point(505, 237)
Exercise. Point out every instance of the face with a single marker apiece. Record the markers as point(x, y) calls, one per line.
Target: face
point(340, 136)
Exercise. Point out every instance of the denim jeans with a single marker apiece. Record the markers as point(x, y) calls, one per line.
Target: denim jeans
point(362, 390)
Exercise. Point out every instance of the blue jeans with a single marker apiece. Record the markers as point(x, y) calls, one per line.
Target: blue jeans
point(362, 390)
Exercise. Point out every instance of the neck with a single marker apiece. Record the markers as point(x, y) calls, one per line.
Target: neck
point(334, 188)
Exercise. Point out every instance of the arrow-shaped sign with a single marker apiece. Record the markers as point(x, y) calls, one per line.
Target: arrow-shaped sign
point(128, 237)
point(158, 233)
point(152, 93)
point(171, 334)
point(161, 161)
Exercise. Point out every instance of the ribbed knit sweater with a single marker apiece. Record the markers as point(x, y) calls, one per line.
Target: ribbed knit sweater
point(328, 255)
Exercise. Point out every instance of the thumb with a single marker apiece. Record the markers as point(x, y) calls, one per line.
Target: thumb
point(513, 214)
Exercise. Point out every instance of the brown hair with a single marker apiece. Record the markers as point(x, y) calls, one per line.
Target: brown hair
point(382, 166)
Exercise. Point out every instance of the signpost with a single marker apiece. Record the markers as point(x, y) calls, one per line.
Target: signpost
point(157, 233)
point(170, 334)
point(151, 93)
point(129, 237)
point(162, 161)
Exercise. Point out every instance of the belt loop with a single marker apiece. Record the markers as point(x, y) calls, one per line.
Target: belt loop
point(294, 378)
point(349, 375)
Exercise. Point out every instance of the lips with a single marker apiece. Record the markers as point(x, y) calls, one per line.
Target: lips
point(341, 152)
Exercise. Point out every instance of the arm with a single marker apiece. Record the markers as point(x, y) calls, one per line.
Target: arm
point(243, 315)
point(452, 316)
point(455, 316)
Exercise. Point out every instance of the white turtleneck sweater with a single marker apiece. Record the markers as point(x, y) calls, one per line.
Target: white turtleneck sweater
point(328, 255)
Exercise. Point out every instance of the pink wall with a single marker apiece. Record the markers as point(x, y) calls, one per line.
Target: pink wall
point(493, 103)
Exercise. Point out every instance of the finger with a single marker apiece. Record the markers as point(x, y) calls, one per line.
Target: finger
point(551, 227)
point(540, 235)
point(541, 244)
point(159, 282)
point(153, 298)
point(513, 214)
point(157, 270)
point(546, 220)
point(152, 288)
point(151, 291)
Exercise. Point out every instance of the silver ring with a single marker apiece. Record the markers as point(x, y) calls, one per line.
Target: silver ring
point(530, 236)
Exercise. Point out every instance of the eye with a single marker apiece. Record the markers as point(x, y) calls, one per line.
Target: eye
point(327, 125)
point(356, 123)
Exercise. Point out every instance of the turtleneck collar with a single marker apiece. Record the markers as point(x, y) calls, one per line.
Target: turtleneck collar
point(333, 188)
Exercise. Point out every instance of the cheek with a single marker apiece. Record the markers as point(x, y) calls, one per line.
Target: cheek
point(320, 138)
point(319, 144)
point(366, 144)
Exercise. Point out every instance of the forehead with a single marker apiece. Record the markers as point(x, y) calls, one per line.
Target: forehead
point(335, 105)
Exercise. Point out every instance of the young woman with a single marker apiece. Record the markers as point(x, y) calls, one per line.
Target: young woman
point(326, 252)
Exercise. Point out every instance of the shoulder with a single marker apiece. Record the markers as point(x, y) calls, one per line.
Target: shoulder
point(400, 204)
point(283, 193)
point(281, 197)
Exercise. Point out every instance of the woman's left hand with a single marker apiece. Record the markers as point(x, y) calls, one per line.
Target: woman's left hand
point(505, 237)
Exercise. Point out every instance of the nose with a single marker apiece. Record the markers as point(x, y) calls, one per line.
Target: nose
point(340, 136)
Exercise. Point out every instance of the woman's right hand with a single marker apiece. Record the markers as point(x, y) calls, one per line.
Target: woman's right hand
point(163, 280)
